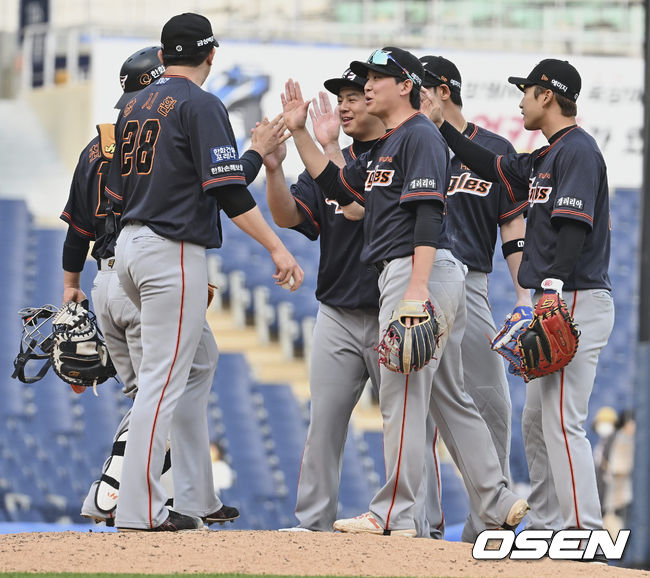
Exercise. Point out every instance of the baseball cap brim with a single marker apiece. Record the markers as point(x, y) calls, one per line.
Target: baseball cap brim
point(335, 85)
point(519, 82)
point(125, 98)
point(361, 69)
point(431, 80)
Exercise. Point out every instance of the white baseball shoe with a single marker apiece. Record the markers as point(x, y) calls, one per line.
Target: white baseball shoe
point(367, 524)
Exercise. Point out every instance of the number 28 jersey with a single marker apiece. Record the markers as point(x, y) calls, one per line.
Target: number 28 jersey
point(174, 143)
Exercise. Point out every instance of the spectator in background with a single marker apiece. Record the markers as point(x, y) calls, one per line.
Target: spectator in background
point(618, 476)
point(222, 474)
point(604, 425)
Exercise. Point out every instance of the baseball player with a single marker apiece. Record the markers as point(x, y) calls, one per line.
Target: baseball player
point(402, 180)
point(91, 214)
point(346, 330)
point(178, 166)
point(475, 208)
point(566, 250)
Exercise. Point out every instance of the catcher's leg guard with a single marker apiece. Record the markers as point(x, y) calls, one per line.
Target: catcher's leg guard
point(108, 488)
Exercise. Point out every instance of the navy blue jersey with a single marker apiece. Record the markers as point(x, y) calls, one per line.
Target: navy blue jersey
point(566, 179)
point(475, 206)
point(409, 163)
point(343, 281)
point(88, 209)
point(174, 143)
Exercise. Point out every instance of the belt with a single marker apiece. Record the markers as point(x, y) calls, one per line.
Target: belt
point(381, 265)
point(106, 264)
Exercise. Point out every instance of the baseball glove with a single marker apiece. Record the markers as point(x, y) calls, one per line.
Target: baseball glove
point(402, 348)
point(550, 341)
point(79, 354)
point(505, 342)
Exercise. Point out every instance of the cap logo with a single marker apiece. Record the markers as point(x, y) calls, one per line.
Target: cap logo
point(205, 41)
point(558, 84)
point(179, 48)
point(444, 78)
point(123, 81)
point(544, 77)
point(454, 82)
point(145, 79)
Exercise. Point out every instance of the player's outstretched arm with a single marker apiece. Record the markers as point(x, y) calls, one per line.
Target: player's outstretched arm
point(253, 224)
point(511, 231)
point(281, 203)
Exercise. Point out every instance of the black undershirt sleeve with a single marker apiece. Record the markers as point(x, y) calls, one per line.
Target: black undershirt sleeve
point(233, 199)
point(428, 223)
point(476, 157)
point(252, 162)
point(75, 251)
point(329, 182)
point(570, 240)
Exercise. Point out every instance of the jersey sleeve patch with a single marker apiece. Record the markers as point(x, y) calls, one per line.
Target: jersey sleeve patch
point(422, 188)
point(220, 154)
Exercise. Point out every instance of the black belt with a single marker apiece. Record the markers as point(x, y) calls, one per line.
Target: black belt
point(109, 264)
point(381, 265)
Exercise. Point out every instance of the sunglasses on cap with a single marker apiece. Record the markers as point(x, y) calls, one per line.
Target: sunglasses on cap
point(382, 57)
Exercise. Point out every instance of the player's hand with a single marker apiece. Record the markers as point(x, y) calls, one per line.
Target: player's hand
point(353, 212)
point(287, 268)
point(73, 294)
point(294, 107)
point(430, 106)
point(326, 122)
point(415, 292)
point(273, 161)
point(268, 135)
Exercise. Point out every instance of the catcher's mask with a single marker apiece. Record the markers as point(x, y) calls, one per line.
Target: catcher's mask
point(36, 342)
point(74, 346)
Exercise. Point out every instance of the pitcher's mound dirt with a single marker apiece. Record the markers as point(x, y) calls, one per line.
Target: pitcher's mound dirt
point(263, 552)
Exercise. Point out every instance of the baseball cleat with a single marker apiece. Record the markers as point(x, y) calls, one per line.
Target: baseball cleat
point(367, 524)
point(221, 516)
point(109, 521)
point(175, 522)
point(516, 514)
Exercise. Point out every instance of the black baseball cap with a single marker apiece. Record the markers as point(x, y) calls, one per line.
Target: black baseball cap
point(556, 75)
point(139, 70)
point(347, 80)
point(439, 70)
point(187, 34)
point(391, 61)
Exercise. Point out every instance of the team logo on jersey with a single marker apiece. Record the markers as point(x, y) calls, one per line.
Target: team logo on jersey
point(223, 153)
point(379, 178)
point(538, 193)
point(465, 183)
point(570, 202)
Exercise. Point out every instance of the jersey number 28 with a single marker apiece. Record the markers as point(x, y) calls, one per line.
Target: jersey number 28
point(139, 145)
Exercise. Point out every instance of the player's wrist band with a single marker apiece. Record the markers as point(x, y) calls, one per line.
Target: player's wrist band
point(510, 247)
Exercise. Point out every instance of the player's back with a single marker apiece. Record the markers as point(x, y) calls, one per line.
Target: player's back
point(166, 137)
